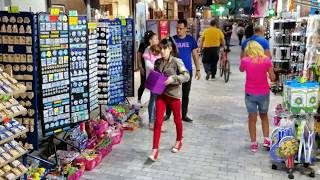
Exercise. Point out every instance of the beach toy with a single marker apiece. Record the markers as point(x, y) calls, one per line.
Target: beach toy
point(155, 82)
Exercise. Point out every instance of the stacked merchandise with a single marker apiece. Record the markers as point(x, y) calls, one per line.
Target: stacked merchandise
point(53, 72)
point(281, 51)
point(78, 69)
point(128, 55)
point(312, 56)
point(10, 149)
point(18, 56)
point(93, 71)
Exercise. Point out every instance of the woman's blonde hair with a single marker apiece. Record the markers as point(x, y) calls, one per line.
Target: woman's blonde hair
point(255, 51)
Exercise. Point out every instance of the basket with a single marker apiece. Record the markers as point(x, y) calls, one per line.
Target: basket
point(117, 136)
point(155, 82)
point(105, 151)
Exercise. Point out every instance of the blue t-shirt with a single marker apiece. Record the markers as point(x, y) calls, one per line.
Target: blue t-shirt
point(185, 47)
point(262, 41)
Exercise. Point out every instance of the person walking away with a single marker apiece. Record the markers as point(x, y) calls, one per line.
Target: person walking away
point(258, 36)
point(141, 65)
point(174, 69)
point(188, 50)
point(211, 41)
point(150, 55)
point(240, 33)
point(227, 30)
point(257, 67)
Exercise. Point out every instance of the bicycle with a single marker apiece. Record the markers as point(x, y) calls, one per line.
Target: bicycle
point(224, 65)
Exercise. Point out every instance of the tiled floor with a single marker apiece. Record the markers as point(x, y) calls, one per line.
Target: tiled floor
point(215, 144)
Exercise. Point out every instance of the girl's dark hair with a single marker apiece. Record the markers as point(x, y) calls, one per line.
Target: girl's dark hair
point(248, 32)
point(147, 36)
point(170, 42)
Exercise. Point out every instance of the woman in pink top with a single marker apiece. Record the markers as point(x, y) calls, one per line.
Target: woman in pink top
point(257, 67)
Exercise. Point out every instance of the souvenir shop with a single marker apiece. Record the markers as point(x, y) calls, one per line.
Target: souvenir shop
point(296, 59)
point(64, 83)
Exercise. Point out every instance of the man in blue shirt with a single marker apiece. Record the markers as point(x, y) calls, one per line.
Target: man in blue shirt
point(188, 50)
point(259, 37)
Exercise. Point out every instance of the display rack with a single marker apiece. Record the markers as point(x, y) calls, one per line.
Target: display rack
point(78, 34)
point(128, 55)
point(10, 129)
point(312, 56)
point(281, 50)
point(298, 48)
point(110, 68)
point(93, 71)
point(18, 56)
point(53, 70)
point(115, 63)
point(103, 79)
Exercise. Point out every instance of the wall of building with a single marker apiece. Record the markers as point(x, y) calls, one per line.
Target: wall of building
point(27, 5)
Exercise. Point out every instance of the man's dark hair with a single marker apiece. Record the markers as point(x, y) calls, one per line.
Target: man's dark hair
point(213, 22)
point(316, 12)
point(183, 21)
point(248, 32)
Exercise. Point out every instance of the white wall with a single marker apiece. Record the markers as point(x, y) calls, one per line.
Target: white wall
point(123, 8)
point(35, 5)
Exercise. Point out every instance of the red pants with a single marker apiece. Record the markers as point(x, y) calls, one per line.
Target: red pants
point(161, 104)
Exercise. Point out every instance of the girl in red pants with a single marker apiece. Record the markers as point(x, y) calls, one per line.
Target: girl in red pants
point(174, 69)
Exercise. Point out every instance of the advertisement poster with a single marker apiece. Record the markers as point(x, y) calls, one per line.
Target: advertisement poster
point(164, 29)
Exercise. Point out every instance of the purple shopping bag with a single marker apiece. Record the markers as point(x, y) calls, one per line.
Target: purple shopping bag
point(155, 82)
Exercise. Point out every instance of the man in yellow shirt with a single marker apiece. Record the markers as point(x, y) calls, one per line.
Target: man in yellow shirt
point(212, 40)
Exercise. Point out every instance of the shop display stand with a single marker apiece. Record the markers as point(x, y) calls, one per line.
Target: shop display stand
point(11, 150)
point(281, 51)
point(298, 49)
point(287, 134)
point(18, 56)
point(53, 72)
point(312, 56)
point(78, 33)
point(115, 63)
point(93, 72)
point(103, 78)
point(128, 55)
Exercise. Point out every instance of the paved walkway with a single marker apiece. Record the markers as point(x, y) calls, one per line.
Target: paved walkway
point(215, 145)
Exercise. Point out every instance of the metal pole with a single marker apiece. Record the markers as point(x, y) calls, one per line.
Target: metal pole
point(88, 9)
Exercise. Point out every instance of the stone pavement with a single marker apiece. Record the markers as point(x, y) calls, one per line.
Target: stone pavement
point(215, 144)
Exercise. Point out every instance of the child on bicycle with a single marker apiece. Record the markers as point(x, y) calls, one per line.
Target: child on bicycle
point(257, 94)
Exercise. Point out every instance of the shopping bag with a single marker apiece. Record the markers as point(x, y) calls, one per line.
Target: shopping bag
point(155, 82)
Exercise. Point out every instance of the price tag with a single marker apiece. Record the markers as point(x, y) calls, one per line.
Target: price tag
point(13, 9)
point(54, 11)
point(123, 22)
point(92, 25)
point(73, 20)
point(73, 13)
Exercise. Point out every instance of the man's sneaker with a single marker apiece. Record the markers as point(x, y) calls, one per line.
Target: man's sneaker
point(208, 76)
point(266, 143)
point(187, 119)
point(213, 78)
point(254, 147)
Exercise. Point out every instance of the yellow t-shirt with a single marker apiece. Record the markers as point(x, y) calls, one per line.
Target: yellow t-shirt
point(212, 37)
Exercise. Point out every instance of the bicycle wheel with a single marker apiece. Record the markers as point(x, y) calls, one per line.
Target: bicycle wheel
point(226, 71)
point(221, 68)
